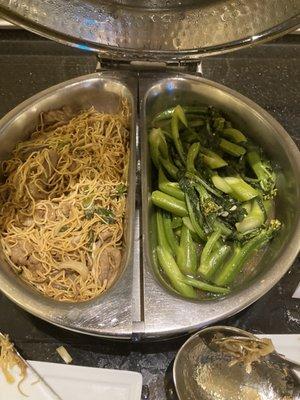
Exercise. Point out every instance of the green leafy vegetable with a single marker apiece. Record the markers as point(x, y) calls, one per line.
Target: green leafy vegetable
point(91, 209)
point(121, 190)
point(213, 204)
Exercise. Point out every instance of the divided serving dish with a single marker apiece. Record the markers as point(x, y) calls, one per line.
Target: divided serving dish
point(138, 306)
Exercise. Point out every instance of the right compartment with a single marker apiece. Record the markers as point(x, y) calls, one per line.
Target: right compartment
point(254, 281)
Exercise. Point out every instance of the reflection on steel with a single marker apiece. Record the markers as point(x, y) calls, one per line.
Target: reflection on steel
point(7, 25)
point(167, 30)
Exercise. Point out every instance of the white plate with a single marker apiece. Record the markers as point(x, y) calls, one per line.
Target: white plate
point(72, 382)
point(287, 345)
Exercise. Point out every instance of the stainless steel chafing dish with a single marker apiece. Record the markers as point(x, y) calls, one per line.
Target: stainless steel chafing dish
point(138, 305)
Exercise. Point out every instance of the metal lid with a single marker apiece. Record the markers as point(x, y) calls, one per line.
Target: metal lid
point(168, 30)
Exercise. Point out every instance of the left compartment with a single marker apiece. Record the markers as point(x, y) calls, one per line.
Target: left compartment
point(109, 313)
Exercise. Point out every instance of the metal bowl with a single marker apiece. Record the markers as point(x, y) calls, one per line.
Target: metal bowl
point(102, 314)
point(138, 305)
point(175, 313)
point(168, 30)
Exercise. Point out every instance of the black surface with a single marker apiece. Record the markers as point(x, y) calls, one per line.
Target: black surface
point(269, 75)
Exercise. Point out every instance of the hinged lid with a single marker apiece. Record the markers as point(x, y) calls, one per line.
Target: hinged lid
point(168, 30)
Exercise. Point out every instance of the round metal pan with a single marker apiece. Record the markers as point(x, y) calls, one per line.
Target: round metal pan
point(168, 30)
point(139, 306)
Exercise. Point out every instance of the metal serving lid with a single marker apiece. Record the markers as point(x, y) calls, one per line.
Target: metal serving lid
point(168, 30)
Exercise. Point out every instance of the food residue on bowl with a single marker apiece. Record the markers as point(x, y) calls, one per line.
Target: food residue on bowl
point(244, 350)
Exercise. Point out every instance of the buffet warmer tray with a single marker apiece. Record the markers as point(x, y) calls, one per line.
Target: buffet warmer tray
point(138, 306)
point(142, 49)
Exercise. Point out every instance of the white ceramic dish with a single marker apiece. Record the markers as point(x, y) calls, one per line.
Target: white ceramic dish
point(287, 345)
point(75, 383)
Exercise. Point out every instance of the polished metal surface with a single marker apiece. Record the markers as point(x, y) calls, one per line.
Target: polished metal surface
point(138, 305)
point(170, 30)
point(109, 314)
point(7, 25)
point(166, 313)
point(202, 371)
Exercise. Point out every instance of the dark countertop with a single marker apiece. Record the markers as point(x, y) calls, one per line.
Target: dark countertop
point(268, 75)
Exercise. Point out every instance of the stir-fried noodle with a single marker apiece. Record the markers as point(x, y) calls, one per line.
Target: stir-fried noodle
point(10, 359)
point(63, 202)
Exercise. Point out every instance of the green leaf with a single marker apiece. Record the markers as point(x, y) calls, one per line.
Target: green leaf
point(121, 190)
point(107, 215)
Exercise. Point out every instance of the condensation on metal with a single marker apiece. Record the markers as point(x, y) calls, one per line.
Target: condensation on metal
point(167, 30)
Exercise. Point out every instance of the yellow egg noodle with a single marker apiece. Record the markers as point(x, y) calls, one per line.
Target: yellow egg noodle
point(10, 359)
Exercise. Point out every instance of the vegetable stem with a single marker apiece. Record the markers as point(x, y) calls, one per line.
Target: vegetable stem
point(161, 234)
point(186, 253)
point(171, 238)
point(191, 156)
point(206, 287)
point(173, 273)
point(241, 255)
point(167, 114)
point(212, 159)
point(232, 148)
point(262, 170)
point(234, 134)
point(160, 153)
point(176, 222)
point(217, 258)
point(177, 116)
point(169, 203)
point(170, 188)
point(240, 190)
point(193, 218)
point(204, 266)
point(254, 219)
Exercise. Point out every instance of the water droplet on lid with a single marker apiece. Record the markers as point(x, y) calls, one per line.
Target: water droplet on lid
point(166, 18)
point(114, 322)
point(177, 43)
